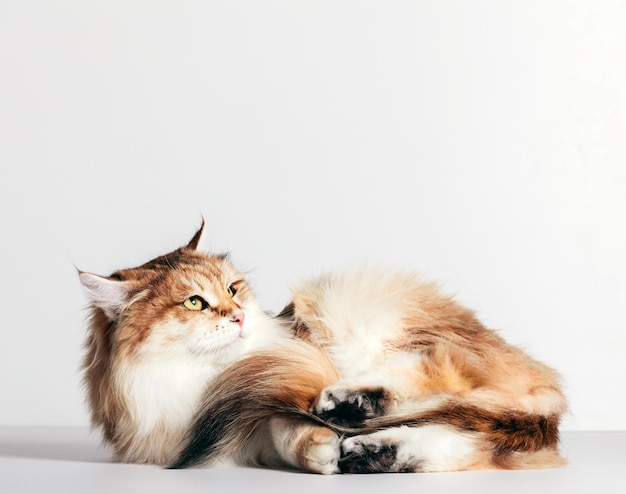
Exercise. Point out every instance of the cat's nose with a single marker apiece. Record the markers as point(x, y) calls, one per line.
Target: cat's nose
point(238, 316)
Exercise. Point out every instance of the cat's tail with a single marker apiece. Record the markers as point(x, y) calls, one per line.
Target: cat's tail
point(506, 432)
point(284, 382)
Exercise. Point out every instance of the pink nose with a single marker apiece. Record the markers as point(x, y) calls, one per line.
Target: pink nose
point(238, 316)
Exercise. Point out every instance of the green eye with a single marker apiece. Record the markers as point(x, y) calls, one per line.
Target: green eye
point(232, 290)
point(195, 303)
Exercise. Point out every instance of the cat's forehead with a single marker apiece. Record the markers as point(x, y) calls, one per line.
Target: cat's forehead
point(205, 275)
point(182, 265)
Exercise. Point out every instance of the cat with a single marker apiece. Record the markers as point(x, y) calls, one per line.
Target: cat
point(364, 371)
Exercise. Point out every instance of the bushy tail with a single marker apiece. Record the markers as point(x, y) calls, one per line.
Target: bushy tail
point(284, 382)
point(506, 431)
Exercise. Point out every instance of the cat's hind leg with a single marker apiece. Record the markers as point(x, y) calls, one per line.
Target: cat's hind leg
point(427, 448)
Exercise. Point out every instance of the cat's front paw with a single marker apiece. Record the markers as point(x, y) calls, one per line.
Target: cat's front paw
point(345, 405)
point(321, 452)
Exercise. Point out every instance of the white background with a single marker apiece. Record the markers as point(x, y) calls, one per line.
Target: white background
point(483, 143)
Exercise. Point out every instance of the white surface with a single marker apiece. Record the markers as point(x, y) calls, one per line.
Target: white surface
point(67, 460)
point(481, 142)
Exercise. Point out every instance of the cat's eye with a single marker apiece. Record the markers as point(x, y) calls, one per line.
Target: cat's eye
point(232, 290)
point(195, 303)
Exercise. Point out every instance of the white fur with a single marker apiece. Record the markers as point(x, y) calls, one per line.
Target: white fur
point(164, 382)
point(357, 311)
point(167, 378)
point(434, 448)
point(159, 395)
point(109, 295)
point(364, 310)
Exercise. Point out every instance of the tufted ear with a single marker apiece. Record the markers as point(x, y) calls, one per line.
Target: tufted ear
point(108, 294)
point(197, 241)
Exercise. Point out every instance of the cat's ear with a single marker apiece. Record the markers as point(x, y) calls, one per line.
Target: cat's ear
point(108, 294)
point(197, 242)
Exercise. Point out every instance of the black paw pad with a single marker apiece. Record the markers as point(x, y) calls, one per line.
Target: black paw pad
point(353, 407)
point(368, 458)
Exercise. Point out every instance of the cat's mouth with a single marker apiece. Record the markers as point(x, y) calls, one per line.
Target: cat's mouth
point(244, 331)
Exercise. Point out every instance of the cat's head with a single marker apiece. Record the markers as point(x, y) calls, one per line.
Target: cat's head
point(184, 302)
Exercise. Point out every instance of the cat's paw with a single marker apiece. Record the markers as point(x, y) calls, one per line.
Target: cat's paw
point(369, 454)
point(321, 451)
point(340, 404)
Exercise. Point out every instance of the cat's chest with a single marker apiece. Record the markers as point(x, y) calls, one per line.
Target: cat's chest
point(157, 393)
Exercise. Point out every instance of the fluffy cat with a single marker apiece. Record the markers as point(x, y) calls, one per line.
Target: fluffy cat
point(364, 371)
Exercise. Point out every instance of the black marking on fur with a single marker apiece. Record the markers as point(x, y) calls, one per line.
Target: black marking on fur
point(287, 313)
point(287, 316)
point(204, 439)
point(357, 407)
